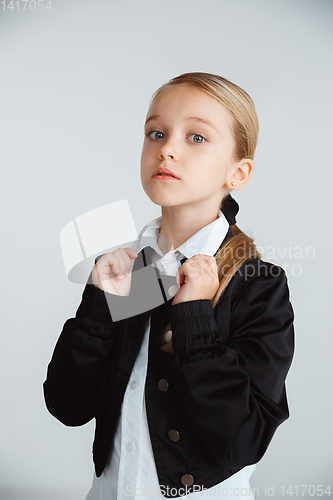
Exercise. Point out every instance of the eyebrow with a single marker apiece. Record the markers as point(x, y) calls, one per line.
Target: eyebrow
point(187, 118)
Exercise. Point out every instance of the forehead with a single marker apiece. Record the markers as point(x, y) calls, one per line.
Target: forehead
point(182, 101)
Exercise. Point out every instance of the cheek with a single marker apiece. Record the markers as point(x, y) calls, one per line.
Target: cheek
point(220, 167)
point(144, 162)
point(208, 179)
point(146, 155)
point(143, 176)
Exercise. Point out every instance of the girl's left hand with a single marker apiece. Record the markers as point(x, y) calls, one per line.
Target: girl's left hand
point(197, 278)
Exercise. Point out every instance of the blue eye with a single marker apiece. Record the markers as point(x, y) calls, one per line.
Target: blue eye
point(149, 134)
point(199, 135)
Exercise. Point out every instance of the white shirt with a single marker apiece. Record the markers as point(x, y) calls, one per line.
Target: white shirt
point(131, 471)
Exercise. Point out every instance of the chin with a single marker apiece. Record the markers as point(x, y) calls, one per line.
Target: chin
point(160, 198)
point(163, 201)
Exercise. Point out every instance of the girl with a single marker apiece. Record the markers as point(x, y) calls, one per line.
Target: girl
point(188, 393)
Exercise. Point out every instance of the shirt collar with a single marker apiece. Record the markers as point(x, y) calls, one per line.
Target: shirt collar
point(206, 241)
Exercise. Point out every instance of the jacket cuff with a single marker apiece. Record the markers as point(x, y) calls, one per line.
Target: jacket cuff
point(193, 326)
point(94, 314)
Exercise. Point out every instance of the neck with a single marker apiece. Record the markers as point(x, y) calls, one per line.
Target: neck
point(180, 223)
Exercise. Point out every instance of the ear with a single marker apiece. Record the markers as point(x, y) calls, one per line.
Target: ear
point(240, 174)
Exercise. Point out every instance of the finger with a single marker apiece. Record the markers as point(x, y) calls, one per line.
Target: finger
point(180, 277)
point(112, 266)
point(129, 256)
point(109, 264)
point(126, 257)
point(202, 256)
point(124, 261)
point(131, 252)
point(99, 270)
point(207, 261)
point(190, 267)
point(210, 259)
point(181, 269)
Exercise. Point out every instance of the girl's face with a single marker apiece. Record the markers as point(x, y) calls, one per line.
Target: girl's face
point(178, 137)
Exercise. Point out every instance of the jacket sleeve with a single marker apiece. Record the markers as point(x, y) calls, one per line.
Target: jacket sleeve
point(80, 359)
point(231, 393)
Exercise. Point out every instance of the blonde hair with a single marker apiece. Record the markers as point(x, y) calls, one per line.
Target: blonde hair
point(244, 127)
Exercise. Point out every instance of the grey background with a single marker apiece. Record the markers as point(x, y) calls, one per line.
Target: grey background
point(74, 90)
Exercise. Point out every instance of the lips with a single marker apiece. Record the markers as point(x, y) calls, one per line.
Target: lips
point(166, 171)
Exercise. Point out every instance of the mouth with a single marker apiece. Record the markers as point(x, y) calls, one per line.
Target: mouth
point(164, 174)
point(165, 177)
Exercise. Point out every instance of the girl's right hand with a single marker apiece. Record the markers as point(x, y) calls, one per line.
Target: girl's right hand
point(113, 271)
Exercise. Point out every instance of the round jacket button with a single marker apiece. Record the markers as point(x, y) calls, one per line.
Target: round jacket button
point(187, 480)
point(163, 385)
point(167, 336)
point(173, 290)
point(173, 435)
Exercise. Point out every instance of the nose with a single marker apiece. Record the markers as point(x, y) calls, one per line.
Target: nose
point(167, 151)
point(162, 156)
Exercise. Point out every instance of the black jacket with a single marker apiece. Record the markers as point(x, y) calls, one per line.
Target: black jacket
point(226, 378)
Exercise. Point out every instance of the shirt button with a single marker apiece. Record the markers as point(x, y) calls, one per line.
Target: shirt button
point(173, 435)
point(187, 480)
point(173, 290)
point(134, 384)
point(167, 336)
point(163, 385)
point(129, 447)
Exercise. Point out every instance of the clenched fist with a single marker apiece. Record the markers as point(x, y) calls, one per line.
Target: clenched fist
point(113, 271)
point(197, 278)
